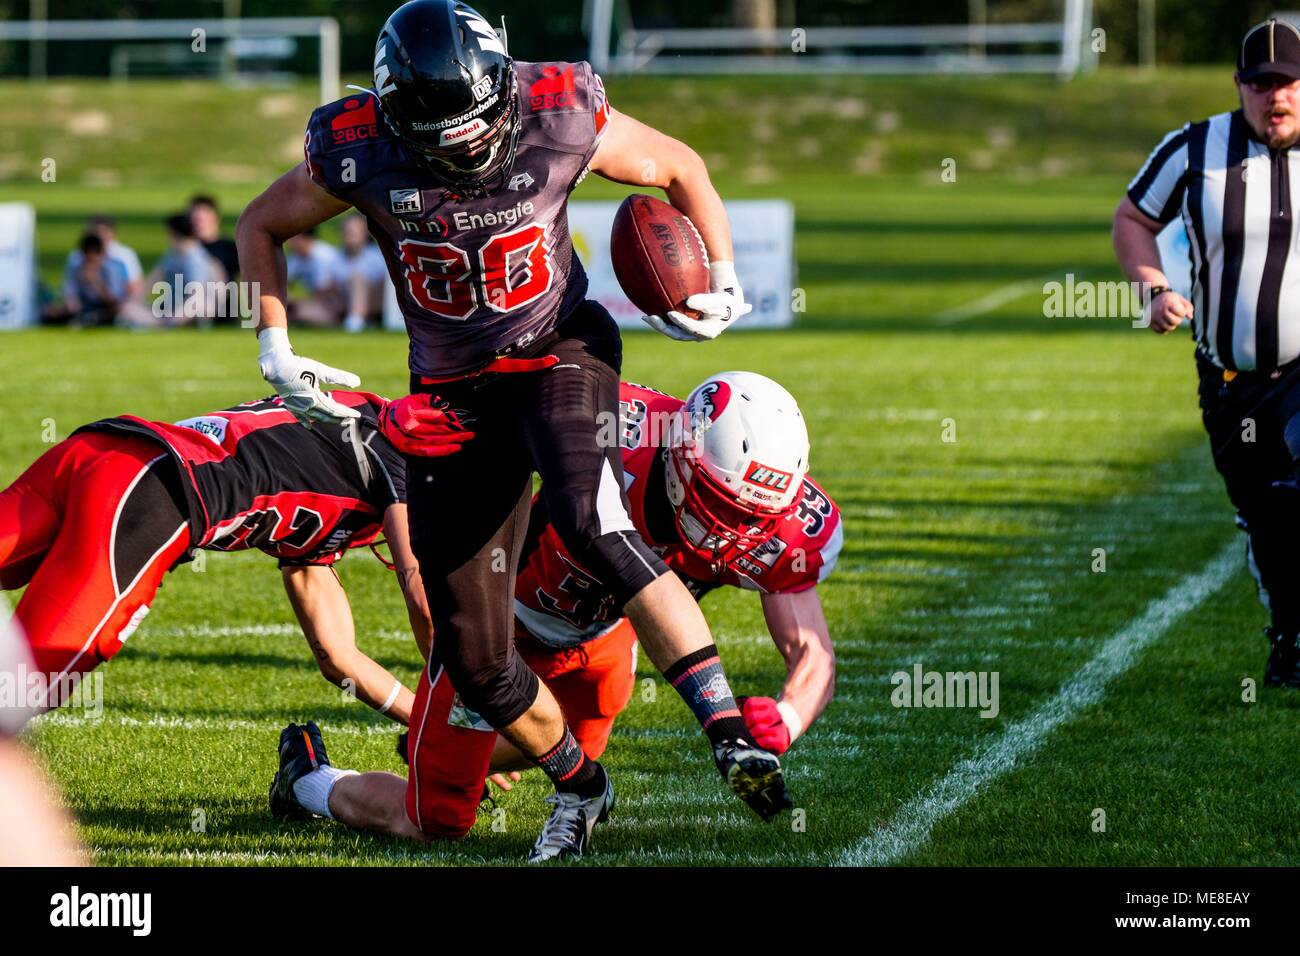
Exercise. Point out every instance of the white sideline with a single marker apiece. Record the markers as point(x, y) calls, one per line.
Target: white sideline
point(911, 826)
point(999, 296)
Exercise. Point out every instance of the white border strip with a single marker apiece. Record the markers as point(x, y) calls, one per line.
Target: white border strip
point(911, 826)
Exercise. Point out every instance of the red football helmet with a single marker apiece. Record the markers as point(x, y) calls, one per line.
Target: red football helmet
point(737, 457)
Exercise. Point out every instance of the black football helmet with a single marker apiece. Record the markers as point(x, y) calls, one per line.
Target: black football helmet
point(447, 88)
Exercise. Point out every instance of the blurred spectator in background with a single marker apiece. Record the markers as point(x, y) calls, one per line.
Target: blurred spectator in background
point(95, 286)
point(106, 229)
point(323, 271)
point(184, 263)
point(207, 228)
point(367, 275)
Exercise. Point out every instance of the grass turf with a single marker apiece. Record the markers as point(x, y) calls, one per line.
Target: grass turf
point(1071, 435)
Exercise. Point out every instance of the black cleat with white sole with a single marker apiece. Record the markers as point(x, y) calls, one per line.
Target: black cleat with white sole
point(567, 833)
point(754, 775)
point(301, 751)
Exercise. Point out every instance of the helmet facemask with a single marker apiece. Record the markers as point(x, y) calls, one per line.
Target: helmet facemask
point(713, 523)
point(477, 167)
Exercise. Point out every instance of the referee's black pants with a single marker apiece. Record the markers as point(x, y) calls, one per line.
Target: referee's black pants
point(469, 511)
point(1253, 420)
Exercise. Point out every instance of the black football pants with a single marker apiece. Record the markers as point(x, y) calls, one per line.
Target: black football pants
point(1253, 420)
point(469, 511)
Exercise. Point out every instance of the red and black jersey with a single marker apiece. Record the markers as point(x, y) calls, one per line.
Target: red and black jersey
point(561, 604)
point(475, 276)
point(256, 478)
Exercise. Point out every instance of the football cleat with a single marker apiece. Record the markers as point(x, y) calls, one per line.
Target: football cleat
point(1283, 667)
point(754, 775)
point(568, 831)
point(301, 751)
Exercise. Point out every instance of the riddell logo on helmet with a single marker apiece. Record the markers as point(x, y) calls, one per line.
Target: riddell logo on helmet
point(471, 129)
point(356, 122)
point(554, 91)
point(766, 477)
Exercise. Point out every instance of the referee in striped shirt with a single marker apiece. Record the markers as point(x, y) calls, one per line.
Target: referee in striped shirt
point(1229, 178)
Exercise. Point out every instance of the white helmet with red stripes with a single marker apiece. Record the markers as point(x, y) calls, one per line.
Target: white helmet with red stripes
point(736, 463)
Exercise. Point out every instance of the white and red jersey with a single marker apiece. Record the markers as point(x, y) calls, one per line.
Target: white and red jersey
point(562, 604)
point(256, 478)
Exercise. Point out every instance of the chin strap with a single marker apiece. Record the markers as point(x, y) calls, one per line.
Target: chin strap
point(374, 549)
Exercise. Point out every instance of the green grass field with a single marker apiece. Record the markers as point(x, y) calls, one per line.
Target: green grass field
point(976, 554)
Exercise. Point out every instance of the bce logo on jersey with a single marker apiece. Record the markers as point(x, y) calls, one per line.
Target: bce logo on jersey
point(357, 122)
point(554, 91)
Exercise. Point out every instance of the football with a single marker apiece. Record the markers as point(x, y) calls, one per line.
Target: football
point(658, 257)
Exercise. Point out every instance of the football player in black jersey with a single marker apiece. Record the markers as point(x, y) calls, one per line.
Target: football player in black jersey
point(462, 161)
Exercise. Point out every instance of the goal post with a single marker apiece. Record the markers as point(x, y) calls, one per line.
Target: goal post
point(192, 33)
point(1057, 46)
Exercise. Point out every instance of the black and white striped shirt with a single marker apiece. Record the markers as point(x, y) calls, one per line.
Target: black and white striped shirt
point(1235, 198)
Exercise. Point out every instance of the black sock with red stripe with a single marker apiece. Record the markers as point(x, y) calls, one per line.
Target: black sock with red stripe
point(699, 678)
point(570, 769)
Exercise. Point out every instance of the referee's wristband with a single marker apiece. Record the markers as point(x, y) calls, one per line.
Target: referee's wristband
point(1155, 292)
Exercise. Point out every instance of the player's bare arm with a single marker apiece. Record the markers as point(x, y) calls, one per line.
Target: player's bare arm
point(1133, 234)
point(288, 206)
point(798, 629)
point(635, 154)
point(321, 604)
point(398, 535)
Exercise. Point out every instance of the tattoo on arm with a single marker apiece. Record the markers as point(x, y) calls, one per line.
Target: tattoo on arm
point(404, 576)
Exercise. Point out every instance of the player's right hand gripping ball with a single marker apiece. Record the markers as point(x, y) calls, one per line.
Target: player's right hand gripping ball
point(662, 265)
point(422, 425)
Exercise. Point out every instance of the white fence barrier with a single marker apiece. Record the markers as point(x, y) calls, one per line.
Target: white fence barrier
point(17, 265)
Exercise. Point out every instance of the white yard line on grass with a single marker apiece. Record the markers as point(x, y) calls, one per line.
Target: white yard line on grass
point(911, 826)
point(998, 297)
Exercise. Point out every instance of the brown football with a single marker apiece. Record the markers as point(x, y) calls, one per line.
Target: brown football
point(658, 256)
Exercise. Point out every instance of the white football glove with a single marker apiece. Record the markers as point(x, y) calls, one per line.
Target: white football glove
point(722, 305)
point(298, 380)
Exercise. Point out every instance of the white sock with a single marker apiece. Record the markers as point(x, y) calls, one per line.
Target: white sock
point(313, 789)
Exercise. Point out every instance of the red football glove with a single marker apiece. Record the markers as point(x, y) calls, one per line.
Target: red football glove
point(765, 723)
point(422, 425)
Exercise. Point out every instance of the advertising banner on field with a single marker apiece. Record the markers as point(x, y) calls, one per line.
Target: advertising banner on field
point(1176, 257)
point(762, 231)
point(17, 265)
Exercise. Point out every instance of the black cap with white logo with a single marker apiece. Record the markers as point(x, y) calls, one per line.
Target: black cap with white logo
point(1271, 48)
